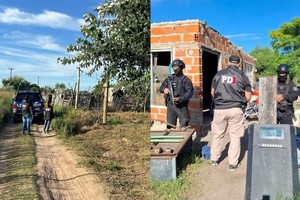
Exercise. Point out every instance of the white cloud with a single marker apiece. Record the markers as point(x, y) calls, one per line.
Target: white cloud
point(240, 35)
point(47, 18)
point(37, 41)
point(33, 64)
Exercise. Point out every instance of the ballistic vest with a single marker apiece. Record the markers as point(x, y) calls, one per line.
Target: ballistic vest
point(177, 87)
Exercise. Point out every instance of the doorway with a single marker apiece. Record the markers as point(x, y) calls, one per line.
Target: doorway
point(210, 62)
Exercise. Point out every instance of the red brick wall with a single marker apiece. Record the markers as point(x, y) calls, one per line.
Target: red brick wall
point(187, 38)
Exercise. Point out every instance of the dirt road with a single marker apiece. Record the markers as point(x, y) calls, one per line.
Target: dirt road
point(58, 174)
point(216, 182)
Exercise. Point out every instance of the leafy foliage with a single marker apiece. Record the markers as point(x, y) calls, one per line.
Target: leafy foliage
point(117, 42)
point(286, 44)
point(5, 106)
point(60, 87)
point(68, 122)
point(286, 50)
point(286, 38)
point(266, 61)
point(14, 82)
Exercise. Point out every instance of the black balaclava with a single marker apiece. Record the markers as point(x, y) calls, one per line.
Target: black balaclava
point(282, 79)
point(178, 71)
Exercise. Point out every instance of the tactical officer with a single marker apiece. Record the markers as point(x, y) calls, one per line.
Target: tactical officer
point(230, 90)
point(287, 93)
point(177, 89)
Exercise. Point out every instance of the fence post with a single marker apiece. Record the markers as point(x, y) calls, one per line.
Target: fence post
point(105, 100)
point(267, 100)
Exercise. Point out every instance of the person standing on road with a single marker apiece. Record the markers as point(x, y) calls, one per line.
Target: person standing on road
point(287, 93)
point(177, 89)
point(231, 90)
point(48, 116)
point(27, 114)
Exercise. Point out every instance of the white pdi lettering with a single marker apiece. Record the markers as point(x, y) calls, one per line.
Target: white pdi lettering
point(229, 79)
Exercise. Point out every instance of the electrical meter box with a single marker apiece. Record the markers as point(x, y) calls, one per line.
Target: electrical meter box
point(272, 165)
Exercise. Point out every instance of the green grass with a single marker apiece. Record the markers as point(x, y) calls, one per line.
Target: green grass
point(176, 189)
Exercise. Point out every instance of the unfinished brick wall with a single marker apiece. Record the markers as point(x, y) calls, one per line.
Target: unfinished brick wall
point(186, 39)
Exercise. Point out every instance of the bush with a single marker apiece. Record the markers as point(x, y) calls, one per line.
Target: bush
point(5, 105)
point(69, 122)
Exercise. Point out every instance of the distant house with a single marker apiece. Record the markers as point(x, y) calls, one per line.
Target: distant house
point(204, 51)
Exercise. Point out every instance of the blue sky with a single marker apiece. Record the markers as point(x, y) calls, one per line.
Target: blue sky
point(245, 23)
point(34, 33)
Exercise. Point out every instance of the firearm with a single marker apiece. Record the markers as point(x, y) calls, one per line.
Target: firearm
point(171, 94)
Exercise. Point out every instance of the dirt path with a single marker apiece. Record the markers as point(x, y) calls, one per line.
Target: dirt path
point(216, 182)
point(59, 176)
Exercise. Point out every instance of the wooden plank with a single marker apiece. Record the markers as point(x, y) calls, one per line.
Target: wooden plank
point(267, 100)
point(166, 140)
point(167, 136)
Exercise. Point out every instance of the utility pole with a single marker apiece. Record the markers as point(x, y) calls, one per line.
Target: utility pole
point(38, 82)
point(10, 68)
point(77, 87)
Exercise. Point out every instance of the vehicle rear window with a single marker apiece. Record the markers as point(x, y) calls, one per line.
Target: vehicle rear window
point(33, 96)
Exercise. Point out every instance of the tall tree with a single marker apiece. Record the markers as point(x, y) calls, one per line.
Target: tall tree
point(14, 82)
point(117, 41)
point(286, 39)
point(286, 43)
point(266, 61)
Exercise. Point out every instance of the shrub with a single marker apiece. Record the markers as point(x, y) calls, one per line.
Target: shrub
point(68, 122)
point(5, 105)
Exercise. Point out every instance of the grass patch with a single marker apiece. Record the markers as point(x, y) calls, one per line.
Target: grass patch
point(112, 166)
point(176, 189)
point(18, 167)
point(114, 121)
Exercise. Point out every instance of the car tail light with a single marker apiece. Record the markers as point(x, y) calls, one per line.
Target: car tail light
point(14, 107)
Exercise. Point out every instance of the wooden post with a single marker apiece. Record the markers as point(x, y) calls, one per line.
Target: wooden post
point(105, 100)
point(267, 100)
point(77, 87)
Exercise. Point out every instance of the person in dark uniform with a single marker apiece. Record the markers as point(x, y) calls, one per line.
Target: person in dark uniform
point(178, 90)
point(27, 114)
point(287, 93)
point(48, 116)
point(231, 90)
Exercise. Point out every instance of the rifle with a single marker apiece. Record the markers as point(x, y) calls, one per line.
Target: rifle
point(171, 94)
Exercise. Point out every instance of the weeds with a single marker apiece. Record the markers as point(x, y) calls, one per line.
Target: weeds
point(176, 189)
point(5, 106)
point(69, 122)
point(114, 121)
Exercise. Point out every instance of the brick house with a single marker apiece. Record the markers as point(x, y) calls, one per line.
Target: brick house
point(204, 51)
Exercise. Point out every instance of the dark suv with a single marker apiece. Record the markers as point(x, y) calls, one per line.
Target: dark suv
point(33, 91)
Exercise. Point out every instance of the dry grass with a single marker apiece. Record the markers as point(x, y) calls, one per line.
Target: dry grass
point(17, 166)
point(119, 152)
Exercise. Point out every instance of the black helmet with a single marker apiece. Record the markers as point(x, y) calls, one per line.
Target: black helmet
point(284, 68)
point(178, 63)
